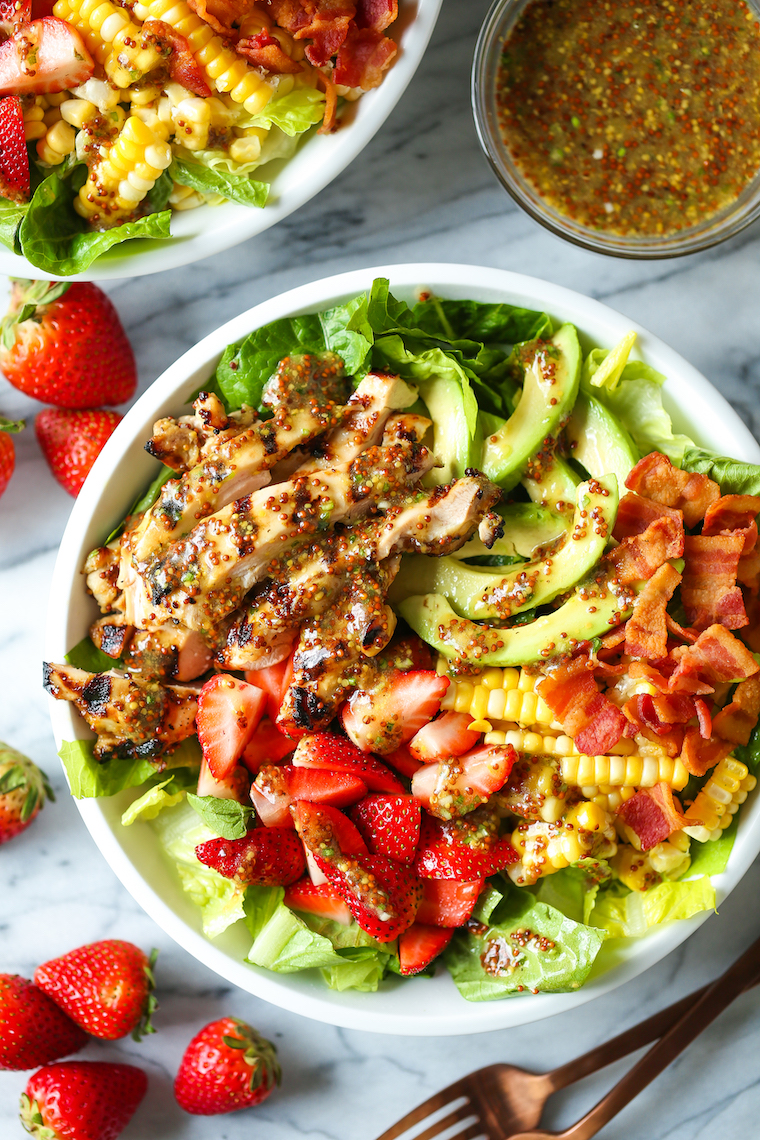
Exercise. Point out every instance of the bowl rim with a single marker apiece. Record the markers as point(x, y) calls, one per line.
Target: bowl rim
point(426, 1010)
point(724, 225)
point(237, 223)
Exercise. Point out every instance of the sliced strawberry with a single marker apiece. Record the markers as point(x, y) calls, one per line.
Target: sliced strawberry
point(44, 56)
point(266, 746)
point(269, 856)
point(14, 158)
point(327, 832)
point(275, 681)
point(326, 750)
point(321, 900)
point(277, 787)
point(389, 715)
point(390, 825)
point(403, 761)
point(462, 849)
point(448, 735)
point(419, 945)
point(228, 714)
point(383, 896)
point(446, 902)
point(317, 876)
point(234, 786)
point(451, 788)
point(14, 13)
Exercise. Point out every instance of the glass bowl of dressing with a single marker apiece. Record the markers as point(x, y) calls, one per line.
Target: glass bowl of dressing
point(629, 128)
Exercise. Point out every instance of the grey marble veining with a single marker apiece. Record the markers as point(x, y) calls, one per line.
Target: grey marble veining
point(421, 191)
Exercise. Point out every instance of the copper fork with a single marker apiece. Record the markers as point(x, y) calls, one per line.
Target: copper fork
point(507, 1102)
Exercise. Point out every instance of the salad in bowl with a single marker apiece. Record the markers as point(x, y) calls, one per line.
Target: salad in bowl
point(430, 648)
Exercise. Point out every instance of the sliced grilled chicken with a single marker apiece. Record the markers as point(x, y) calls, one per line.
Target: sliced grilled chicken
point(101, 571)
point(129, 717)
point(436, 521)
point(112, 635)
point(171, 653)
point(182, 443)
point(306, 393)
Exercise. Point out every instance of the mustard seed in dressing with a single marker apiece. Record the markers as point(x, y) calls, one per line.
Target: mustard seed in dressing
point(637, 117)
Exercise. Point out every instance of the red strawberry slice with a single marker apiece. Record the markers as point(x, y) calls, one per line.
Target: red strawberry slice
point(462, 849)
point(276, 787)
point(14, 159)
point(389, 715)
point(446, 902)
point(419, 945)
point(403, 761)
point(266, 746)
point(321, 900)
point(382, 895)
point(453, 787)
point(56, 49)
point(327, 832)
point(326, 750)
point(234, 786)
point(390, 825)
point(447, 735)
point(317, 876)
point(269, 856)
point(275, 681)
point(228, 714)
point(14, 13)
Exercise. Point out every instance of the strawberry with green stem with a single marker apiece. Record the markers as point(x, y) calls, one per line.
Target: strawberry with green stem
point(23, 791)
point(226, 1067)
point(82, 1100)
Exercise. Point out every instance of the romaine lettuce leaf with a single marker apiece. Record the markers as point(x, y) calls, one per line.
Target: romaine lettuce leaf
point(632, 914)
point(86, 655)
point(236, 187)
point(496, 323)
point(152, 802)
point(89, 778)
point(259, 906)
point(245, 367)
point(574, 889)
point(11, 216)
point(348, 333)
point(293, 113)
point(286, 944)
point(733, 476)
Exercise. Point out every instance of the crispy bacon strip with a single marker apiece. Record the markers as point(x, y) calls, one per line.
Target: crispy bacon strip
point(264, 51)
point(731, 512)
point(704, 717)
point(709, 592)
point(656, 478)
point(653, 814)
point(646, 632)
point(635, 513)
point(639, 556)
point(585, 713)
point(324, 22)
point(363, 57)
point(376, 14)
point(183, 67)
point(679, 631)
point(659, 720)
point(735, 722)
point(224, 16)
point(699, 755)
point(716, 656)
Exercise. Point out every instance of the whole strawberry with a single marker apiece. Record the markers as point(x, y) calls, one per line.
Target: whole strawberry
point(227, 1066)
point(64, 344)
point(23, 790)
point(33, 1030)
point(82, 1100)
point(106, 987)
point(7, 450)
point(72, 441)
point(14, 159)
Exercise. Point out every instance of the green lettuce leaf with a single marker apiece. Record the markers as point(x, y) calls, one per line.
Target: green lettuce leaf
point(11, 216)
point(245, 367)
point(239, 188)
point(150, 803)
point(54, 238)
point(711, 858)
point(86, 655)
point(293, 113)
point(630, 915)
point(227, 818)
point(554, 958)
point(286, 944)
point(348, 333)
point(89, 778)
point(496, 323)
point(145, 501)
point(733, 476)
point(749, 753)
point(158, 197)
point(259, 905)
point(574, 889)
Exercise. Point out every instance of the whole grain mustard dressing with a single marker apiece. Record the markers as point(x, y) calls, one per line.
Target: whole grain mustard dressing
point(633, 116)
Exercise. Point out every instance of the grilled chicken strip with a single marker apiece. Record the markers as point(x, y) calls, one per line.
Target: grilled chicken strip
point(131, 718)
point(306, 393)
point(182, 443)
point(171, 653)
point(101, 570)
point(436, 521)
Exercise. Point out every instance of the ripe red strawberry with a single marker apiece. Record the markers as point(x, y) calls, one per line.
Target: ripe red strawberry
point(270, 856)
point(23, 790)
point(106, 987)
point(65, 345)
point(446, 902)
point(390, 825)
point(61, 61)
point(14, 159)
point(82, 1100)
point(72, 441)
point(327, 832)
point(234, 786)
point(14, 13)
point(7, 450)
point(453, 787)
point(383, 896)
point(266, 746)
point(228, 714)
point(462, 849)
point(403, 761)
point(277, 787)
point(326, 750)
point(321, 900)
point(389, 715)
point(226, 1066)
point(419, 945)
point(33, 1030)
point(448, 735)
point(275, 681)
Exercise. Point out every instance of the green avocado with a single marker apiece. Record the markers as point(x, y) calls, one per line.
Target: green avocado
point(452, 439)
point(592, 609)
point(550, 386)
point(598, 441)
point(526, 527)
point(555, 485)
point(499, 595)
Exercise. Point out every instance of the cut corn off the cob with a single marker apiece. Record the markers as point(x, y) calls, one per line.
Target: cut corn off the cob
point(719, 800)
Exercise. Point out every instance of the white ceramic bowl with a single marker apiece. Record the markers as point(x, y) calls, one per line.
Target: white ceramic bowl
point(321, 158)
point(416, 1007)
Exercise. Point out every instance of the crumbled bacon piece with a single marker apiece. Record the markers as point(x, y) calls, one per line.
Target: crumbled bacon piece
point(224, 16)
point(635, 513)
point(709, 592)
point(376, 14)
point(653, 814)
point(683, 632)
point(585, 713)
point(735, 722)
point(182, 64)
point(646, 633)
point(716, 656)
point(699, 755)
point(730, 513)
point(363, 58)
point(704, 717)
point(265, 51)
point(325, 22)
point(656, 478)
point(639, 556)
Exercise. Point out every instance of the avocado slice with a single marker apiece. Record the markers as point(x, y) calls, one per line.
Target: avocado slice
point(526, 526)
point(499, 595)
point(444, 398)
point(598, 441)
point(554, 486)
point(550, 385)
point(592, 609)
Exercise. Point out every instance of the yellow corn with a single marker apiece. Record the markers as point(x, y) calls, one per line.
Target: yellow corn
point(633, 868)
point(608, 797)
point(34, 126)
point(57, 142)
point(544, 743)
point(719, 799)
point(192, 120)
point(499, 694)
point(112, 38)
point(634, 771)
point(125, 174)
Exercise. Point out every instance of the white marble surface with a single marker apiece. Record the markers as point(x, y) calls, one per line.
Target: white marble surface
point(421, 191)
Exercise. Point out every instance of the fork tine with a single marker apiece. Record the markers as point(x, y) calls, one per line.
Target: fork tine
point(453, 1118)
point(427, 1108)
